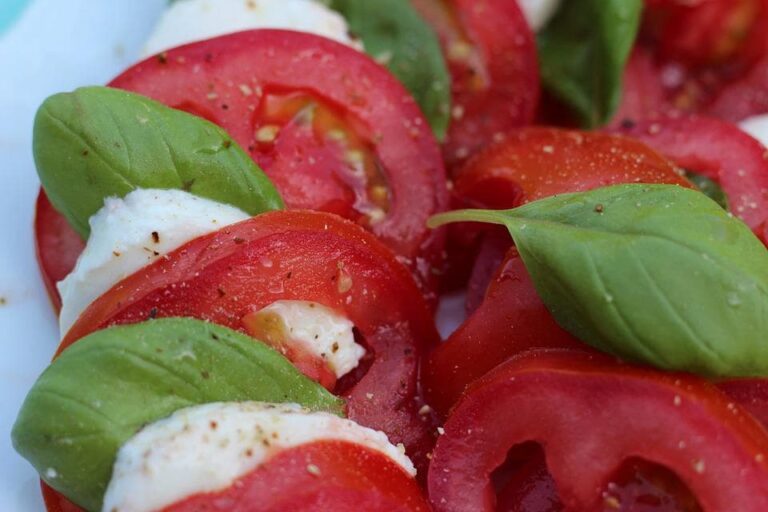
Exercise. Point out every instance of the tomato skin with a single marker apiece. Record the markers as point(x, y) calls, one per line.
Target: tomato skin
point(722, 152)
point(750, 394)
point(209, 79)
point(56, 502)
point(57, 246)
point(349, 478)
point(494, 90)
point(591, 413)
point(296, 255)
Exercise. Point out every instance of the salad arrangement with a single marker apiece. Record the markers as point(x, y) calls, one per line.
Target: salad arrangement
point(247, 233)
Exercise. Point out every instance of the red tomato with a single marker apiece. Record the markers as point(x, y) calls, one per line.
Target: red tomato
point(722, 152)
point(751, 394)
point(57, 246)
point(534, 163)
point(331, 128)
point(491, 55)
point(702, 32)
point(55, 502)
point(592, 415)
point(745, 97)
point(643, 94)
point(325, 475)
point(297, 255)
point(511, 319)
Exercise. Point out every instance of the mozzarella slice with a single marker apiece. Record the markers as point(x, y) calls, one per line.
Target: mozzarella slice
point(208, 447)
point(757, 127)
point(315, 328)
point(129, 233)
point(187, 21)
point(539, 12)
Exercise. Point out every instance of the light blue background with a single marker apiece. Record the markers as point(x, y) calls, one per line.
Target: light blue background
point(9, 11)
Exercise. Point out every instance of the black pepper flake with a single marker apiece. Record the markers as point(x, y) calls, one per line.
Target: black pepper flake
point(214, 425)
point(628, 123)
point(85, 152)
point(289, 275)
point(204, 374)
point(227, 143)
point(224, 106)
point(599, 208)
point(162, 58)
point(208, 57)
point(221, 291)
point(152, 313)
point(214, 336)
point(156, 237)
point(239, 240)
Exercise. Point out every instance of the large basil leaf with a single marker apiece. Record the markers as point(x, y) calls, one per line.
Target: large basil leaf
point(105, 387)
point(394, 33)
point(583, 51)
point(98, 142)
point(651, 273)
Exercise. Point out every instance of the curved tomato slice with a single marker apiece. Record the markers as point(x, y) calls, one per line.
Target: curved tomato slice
point(57, 246)
point(491, 55)
point(511, 319)
point(55, 502)
point(720, 151)
point(332, 129)
point(751, 394)
point(324, 475)
point(592, 415)
point(296, 255)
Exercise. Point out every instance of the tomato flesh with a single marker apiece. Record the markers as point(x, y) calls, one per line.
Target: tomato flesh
point(491, 55)
point(296, 255)
point(591, 414)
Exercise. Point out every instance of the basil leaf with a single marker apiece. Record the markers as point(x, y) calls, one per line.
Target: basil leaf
point(99, 142)
point(105, 387)
point(583, 51)
point(652, 273)
point(394, 34)
point(709, 188)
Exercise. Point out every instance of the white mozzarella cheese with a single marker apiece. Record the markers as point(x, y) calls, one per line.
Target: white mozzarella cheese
point(318, 330)
point(208, 447)
point(757, 127)
point(187, 21)
point(538, 12)
point(129, 233)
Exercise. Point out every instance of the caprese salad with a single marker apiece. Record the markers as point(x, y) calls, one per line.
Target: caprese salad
point(246, 234)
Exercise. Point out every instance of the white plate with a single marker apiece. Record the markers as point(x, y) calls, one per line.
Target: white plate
point(56, 45)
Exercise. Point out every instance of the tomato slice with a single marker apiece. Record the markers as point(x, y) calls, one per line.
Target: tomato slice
point(510, 320)
point(297, 255)
point(57, 246)
point(331, 128)
point(722, 152)
point(56, 502)
point(324, 475)
point(592, 415)
point(491, 55)
point(751, 394)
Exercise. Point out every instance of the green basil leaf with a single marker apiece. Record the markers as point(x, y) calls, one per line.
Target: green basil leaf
point(652, 273)
point(105, 387)
point(394, 34)
point(99, 142)
point(583, 51)
point(709, 188)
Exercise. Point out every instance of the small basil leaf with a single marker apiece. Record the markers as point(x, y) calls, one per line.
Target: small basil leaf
point(105, 387)
point(99, 142)
point(709, 188)
point(394, 34)
point(652, 273)
point(583, 51)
